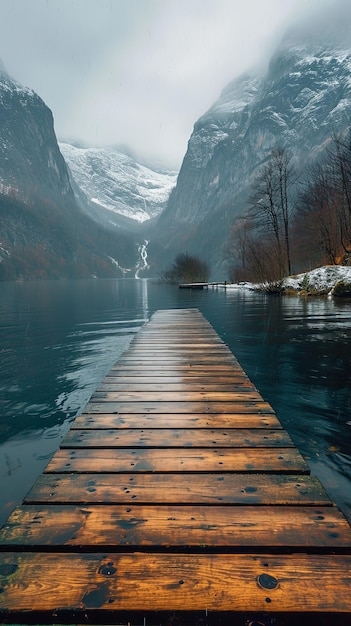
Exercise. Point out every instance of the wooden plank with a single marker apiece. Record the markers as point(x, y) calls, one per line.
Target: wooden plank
point(280, 460)
point(171, 369)
point(203, 527)
point(215, 355)
point(175, 420)
point(190, 360)
point(169, 396)
point(170, 341)
point(177, 438)
point(153, 407)
point(236, 380)
point(171, 329)
point(211, 489)
point(164, 347)
point(167, 387)
point(86, 583)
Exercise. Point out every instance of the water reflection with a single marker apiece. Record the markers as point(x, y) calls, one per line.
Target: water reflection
point(297, 351)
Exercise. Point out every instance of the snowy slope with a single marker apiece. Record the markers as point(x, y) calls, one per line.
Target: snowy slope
point(114, 181)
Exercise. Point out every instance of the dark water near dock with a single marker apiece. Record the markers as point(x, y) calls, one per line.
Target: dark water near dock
point(58, 340)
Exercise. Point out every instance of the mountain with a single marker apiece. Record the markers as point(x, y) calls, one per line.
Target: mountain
point(43, 233)
point(118, 190)
point(304, 96)
point(31, 164)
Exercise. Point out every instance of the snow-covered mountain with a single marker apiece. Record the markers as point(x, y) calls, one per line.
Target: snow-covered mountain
point(303, 98)
point(114, 184)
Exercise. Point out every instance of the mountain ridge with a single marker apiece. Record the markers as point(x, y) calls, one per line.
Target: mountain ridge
point(43, 233)
point(304, 96)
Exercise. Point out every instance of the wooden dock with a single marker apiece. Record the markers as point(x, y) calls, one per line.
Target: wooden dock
point(176, 498)
point(213, 285)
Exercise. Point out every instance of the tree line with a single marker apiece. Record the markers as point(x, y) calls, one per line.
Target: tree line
point(294, 223)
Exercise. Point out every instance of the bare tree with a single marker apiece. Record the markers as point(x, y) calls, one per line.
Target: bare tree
point(339, 158)
point(286, 178)
point(324, 217)
point(271, 203)
point(237, 248)
point(253, 257)
point(317, 220)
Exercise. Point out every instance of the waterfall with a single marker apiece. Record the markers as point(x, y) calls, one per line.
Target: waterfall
point(142, 263)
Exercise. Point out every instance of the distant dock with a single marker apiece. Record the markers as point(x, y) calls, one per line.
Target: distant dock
point(176, 498)
point(202, 285)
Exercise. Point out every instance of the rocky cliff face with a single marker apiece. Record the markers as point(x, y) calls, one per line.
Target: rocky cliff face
point(304, 97)
point(31, 163)
point(42, 231)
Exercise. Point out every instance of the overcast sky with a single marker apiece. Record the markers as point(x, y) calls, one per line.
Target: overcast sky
point(138, 72)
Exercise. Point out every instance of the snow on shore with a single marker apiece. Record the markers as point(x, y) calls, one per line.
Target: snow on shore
point(321, 279)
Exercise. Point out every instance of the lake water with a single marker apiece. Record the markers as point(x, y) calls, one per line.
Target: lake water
point(58, 340)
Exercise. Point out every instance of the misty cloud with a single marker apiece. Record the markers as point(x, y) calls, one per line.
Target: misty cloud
point(140, 72)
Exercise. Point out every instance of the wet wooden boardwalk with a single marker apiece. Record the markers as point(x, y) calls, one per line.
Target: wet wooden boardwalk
point(176, 497)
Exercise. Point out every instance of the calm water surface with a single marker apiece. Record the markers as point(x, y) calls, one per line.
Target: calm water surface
point(58, 340)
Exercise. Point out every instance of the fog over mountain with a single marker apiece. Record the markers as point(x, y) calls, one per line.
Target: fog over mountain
point(303, 97)
point(139, 73)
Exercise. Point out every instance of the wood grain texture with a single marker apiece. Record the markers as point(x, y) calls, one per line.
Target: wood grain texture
point(178, 387)
point(164, 460)
point(175, 420)
point(174, 396)
point(141, 582)
point(177, 438)
point(179, 406)
point(118, 526)
point(211, 489)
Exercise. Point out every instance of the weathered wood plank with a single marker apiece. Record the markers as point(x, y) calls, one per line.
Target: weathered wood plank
point(117, 526)
point(177, 438)
point(231, 489)
point(113, 384)
point(171, 369)
point(153, 407)
point(215, 353)
point(163, 344)
point(167, 339)
point(178, 359)
point(175, 420)
point(169, 396)
point(185, 396)
point(176, 582)
point(280, 460)
point(236, 380)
